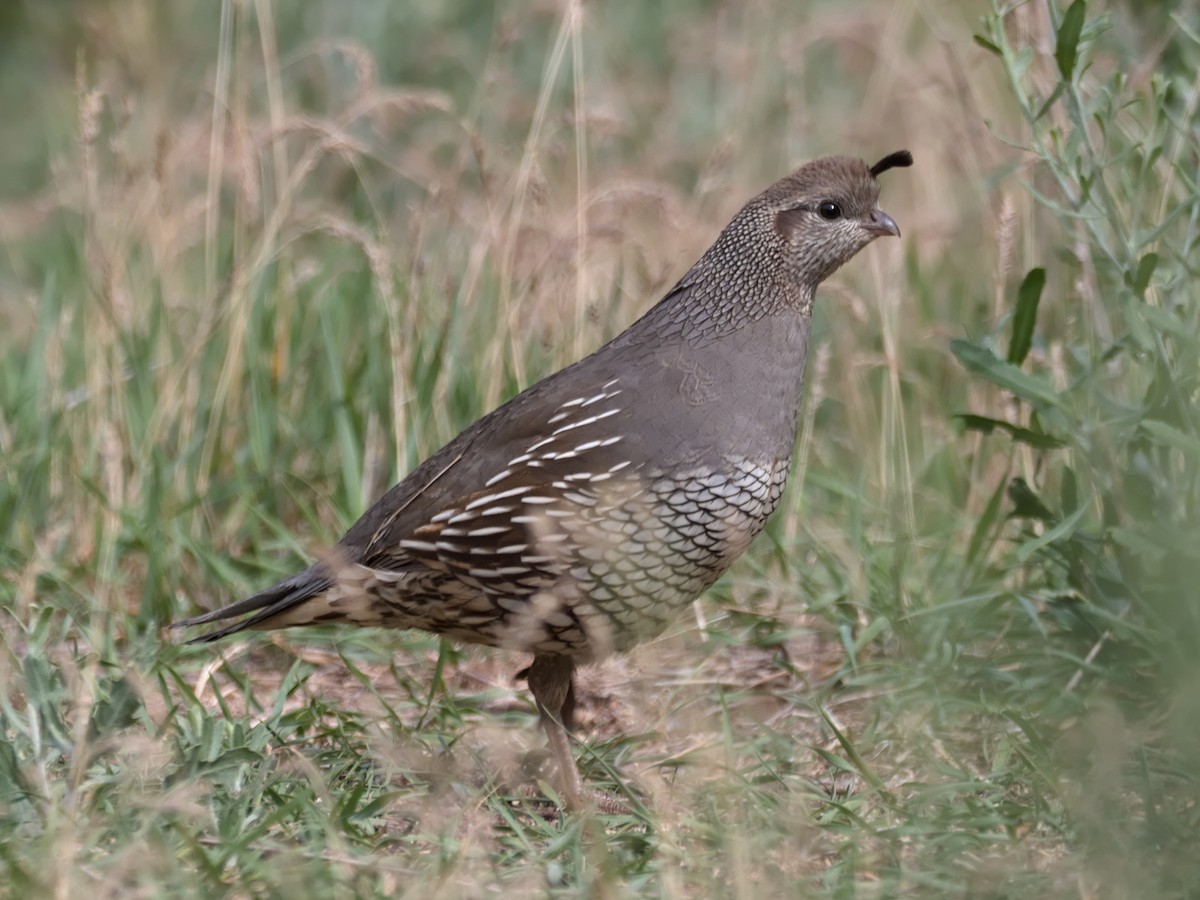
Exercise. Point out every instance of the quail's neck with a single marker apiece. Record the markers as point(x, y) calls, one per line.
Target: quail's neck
point(716, 298)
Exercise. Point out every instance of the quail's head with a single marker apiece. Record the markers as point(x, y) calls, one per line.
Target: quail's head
point(828, 210)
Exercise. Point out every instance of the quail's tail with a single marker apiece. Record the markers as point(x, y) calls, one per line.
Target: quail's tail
point(267, 605)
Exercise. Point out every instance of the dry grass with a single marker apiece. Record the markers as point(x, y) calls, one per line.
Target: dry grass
point(279, 258)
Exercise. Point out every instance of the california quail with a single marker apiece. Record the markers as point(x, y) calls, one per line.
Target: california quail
point(581, 515)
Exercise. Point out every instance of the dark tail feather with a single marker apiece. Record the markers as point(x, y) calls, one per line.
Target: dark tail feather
point(265, 605)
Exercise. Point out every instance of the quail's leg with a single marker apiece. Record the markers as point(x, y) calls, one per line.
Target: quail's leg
point(550, 683)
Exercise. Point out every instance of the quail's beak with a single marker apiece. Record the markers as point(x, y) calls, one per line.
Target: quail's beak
point(880, 223)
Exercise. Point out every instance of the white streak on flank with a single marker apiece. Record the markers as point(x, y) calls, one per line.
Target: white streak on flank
point(596, 399)
point(542, 443)
point(487, 532)
point(581, 423)
point(419, 546)
point(538, 499)
point(499, 476)
point(497, 511)
point(492, 498)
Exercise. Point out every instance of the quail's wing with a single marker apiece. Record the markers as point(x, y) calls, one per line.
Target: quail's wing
point(515, 527)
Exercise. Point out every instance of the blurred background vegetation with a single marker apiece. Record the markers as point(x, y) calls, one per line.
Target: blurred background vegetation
point(258, 259)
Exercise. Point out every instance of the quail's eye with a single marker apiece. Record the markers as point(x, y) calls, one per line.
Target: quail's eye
point(829, 210)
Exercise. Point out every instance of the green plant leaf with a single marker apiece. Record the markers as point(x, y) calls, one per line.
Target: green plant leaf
point(1172, 437)
point(1049, 101)
point(13, 786)
point(1026, 503)
point(1021, 435)
point(986, 44)
point(982, 536)
point(1029, 294)
point(1066, 49)
point(116, 710)
point(984, 362)
point(1145, 268)
point(1069, 490)
point(1167, 322)
point(1063, 529)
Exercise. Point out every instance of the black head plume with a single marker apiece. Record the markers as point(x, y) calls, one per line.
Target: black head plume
point(892, 161)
